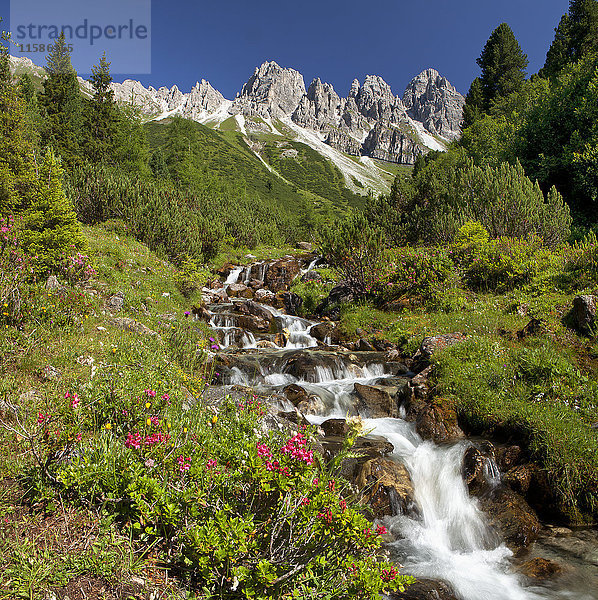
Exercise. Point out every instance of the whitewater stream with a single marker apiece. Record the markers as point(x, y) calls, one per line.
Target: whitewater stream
point(448, 537)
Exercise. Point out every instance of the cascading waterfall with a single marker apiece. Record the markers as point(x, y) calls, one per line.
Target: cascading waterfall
point(447, 537)
point(233, 276)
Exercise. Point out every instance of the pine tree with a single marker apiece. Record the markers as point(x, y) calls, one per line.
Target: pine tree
point(559, 53)
point(475, 104)
point(575, 37)
point(101, 121)
point(49, 228)
point(16, 149)
point(503, 65)
point(61, 103)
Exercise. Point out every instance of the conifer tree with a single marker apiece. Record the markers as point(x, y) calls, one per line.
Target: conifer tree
point(49, 227)
point(475, 104)
point(16, 149)
point(503, 65)
point(61, 103)
point(102, 115)
point(575, 37)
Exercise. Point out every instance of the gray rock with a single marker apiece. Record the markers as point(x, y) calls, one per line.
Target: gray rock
point(116, 302)
point(320, 108)
point(584, 314)
point(393, 143)
point(271, 92)
point(52, 283)
point(431, 99)
point(132, 325)
point(49, 372)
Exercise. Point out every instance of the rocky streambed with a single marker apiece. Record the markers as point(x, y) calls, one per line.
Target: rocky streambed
point(462, 513)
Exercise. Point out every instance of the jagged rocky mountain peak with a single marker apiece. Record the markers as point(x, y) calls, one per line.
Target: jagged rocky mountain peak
point(431, 99)
point(272, 90)
point(371, 121)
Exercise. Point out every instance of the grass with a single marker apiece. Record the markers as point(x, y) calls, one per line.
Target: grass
point(540, 391)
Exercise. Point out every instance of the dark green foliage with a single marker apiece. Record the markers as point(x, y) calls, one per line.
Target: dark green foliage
point(389, 213)
point(48, 228)
point(101, 118)
point(194, 222)
point(559, 53)
point(575, 37)
point(557, 139)
point(16, 149)
point(61, 104)
point(475, 104)
point(503, 65)
point(354, 247)
point(158, 166)
point(452, 190)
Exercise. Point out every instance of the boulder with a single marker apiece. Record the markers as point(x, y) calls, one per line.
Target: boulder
point(540, 568)
point(379, 401)
point(292, 302)
point(281, 338)
point(264, 296)
point(425, 589)
point(239, 290)
point(583, 314)
point(52, 283)
point(132, 325)
point(534, 327)
point(307, 246)
point(115, 302)
point(312, 405)
point(281, 273)
point(220, 295)
point(363, 345)
point(386, 487)
point(437, 421)
point(339, 294)
point(507, 457)
point(49, 372)
point(326, 331)
point(512, 517)
point(266, 344)
point(335, 427)
point(253, 308)
point(295, 394)
point(430, 345)
point(253, 323)
point(478, 469)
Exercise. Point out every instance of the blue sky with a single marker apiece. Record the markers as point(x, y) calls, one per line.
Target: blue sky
point(335, 40)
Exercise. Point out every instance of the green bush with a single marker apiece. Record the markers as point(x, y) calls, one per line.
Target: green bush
point(246, 511)
point(498, 264)
point(450, 191)
point(415, 273)
point(582, 261)
point(190, 276)
point(354, 248)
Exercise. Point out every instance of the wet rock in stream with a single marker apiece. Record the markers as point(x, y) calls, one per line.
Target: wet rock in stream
point(386, 487)
point(425, 589)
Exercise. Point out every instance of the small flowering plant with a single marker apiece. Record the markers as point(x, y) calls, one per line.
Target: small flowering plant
point(249, 508)
point(77, 268)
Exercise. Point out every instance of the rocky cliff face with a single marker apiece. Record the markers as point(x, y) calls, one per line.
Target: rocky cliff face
point(371, 121)
point(431, 99)
point(271, 92)
point(319, 108)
